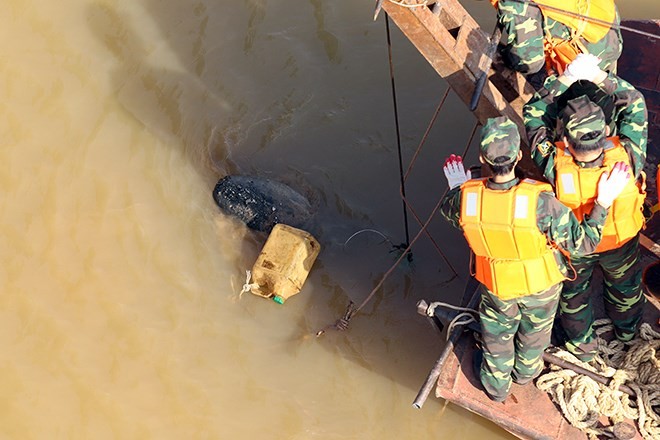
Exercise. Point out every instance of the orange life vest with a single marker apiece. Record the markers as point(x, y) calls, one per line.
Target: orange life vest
point(559, 52)
point(603, 13)
point(513, 257)
point(577, 188)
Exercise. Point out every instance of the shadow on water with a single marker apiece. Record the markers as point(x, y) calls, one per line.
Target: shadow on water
point(212, 108)
point(169, 101)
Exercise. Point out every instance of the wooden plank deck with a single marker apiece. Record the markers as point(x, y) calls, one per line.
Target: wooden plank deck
point(527, 413)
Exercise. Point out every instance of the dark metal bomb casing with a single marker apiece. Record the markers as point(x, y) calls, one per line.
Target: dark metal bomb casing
point(261, 203)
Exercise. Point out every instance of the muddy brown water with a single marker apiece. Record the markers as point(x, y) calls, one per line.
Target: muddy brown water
point(120, 314)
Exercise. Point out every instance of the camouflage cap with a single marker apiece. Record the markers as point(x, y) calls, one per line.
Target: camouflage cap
point(584, 123)
point(500, 141)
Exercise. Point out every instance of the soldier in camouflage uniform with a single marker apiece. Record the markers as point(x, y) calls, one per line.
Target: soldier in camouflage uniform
point(622, 104)
point(627, 118)
point(527, 29)
point(516, 330)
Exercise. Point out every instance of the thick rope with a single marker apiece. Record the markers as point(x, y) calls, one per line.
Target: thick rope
point(583, 400)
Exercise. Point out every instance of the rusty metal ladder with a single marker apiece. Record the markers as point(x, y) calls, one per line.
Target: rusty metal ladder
point(456, 46)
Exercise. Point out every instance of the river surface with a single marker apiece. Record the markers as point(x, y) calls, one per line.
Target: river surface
point(121, 315)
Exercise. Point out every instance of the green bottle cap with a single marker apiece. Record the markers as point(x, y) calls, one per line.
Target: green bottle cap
point(278, 299)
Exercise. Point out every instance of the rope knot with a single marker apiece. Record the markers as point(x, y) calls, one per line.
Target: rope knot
point(247, 286)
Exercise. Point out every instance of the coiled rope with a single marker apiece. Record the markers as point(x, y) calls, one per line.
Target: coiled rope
point(583, 400)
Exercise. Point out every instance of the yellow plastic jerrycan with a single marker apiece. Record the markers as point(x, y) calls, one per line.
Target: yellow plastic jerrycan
point(284, 263)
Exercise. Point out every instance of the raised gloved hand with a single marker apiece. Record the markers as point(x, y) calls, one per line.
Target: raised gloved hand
point(584, 66)
point(611, 184)
point(455, 172)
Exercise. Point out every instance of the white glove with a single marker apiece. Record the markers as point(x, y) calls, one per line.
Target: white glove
point(584, 66)
point(611, 184)
point(455, 172)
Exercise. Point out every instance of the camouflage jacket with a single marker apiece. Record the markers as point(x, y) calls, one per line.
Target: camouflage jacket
point(553, 219)
point(623, 105)
point(526, 26)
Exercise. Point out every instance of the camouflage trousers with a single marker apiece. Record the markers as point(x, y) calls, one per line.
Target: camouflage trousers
point(514, 333)
point(623, 297)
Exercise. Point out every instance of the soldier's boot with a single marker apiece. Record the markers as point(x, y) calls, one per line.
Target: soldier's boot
point(477, 359)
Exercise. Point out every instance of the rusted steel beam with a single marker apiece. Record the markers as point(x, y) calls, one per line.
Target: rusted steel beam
point(432, 377)
point(471, 291)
